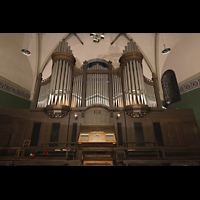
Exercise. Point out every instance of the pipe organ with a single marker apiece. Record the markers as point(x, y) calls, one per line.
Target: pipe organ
point(117, 91)
point(97, 91)
point(131, 62)
point(77, 91)
point(59, 98)
point(98, 115)
point(60, 88)
point(134, 88)
point(150, 92)
point(97, 82)
point(44, 92)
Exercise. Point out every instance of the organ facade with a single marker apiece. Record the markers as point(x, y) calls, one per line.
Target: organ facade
point(97, 82)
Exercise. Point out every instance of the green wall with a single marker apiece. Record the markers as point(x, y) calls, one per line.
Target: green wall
point(9, 101)
point(190, 100)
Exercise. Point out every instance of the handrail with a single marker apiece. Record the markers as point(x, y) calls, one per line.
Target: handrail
point(139, 142)
point(67, 146)
point(65, 143)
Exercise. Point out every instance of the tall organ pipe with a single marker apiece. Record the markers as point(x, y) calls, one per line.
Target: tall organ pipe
point(97, 87)
point(131, 60)
point(60, 88)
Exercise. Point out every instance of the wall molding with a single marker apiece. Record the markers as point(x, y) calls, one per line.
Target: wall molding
point(7, 87)
point(190, 85)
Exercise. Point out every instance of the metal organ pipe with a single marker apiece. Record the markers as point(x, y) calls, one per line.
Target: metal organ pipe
point(77, 91)
point(101, 91)
point(125, 87)
point(134, 90)
point(137, 89)
point(133, 83)
point(60, 87)
point(117, 91)
point(65, 82)
point(44, 92)
point(107, 82)
point(97, 88)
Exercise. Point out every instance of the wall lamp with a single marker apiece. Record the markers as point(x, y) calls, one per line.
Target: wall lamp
point(118, 115)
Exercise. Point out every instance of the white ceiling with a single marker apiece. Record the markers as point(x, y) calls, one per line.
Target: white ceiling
point(184, 57)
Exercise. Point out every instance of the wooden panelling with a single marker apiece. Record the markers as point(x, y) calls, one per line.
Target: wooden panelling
point(179, 127)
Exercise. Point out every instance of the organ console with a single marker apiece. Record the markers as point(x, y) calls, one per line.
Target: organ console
point(97, 82)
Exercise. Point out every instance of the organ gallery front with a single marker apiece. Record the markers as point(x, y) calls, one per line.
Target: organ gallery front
point(99, 115)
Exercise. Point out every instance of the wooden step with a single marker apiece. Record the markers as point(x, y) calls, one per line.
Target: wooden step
point(97, 163)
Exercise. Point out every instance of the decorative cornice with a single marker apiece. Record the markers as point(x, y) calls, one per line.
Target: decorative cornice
point(130, 56)
point(189, 86)
point(57, 111)
point(14, 90)
point(64, 56)
point(137, 111)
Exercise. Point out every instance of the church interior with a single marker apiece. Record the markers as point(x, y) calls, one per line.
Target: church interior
point(99, 99)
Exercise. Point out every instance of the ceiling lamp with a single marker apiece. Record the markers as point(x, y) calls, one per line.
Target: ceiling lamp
point(97, 37)
point(26, 52)
point(26, 41)
point(165, 50)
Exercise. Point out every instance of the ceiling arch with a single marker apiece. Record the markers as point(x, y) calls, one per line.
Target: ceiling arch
point(21, 70)
point(90, 50)
point(184, 57)
point(15, 67)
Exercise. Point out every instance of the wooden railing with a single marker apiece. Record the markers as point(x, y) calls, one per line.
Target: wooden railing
point(60, 147)
point(130, 150)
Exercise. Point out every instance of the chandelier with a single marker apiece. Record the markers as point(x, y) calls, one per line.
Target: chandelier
point(97, 37)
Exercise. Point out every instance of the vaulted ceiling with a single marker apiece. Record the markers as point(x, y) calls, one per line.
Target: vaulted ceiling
point(22, 70)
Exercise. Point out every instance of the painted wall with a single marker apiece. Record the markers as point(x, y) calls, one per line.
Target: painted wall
point(15, 66)
point(9, 101)
point(190, 100)
point(184, 57)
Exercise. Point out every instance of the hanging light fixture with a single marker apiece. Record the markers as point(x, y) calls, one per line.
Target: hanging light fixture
point(26, 41)
point(165, 50)
point(26, 52)
point(97, 37)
